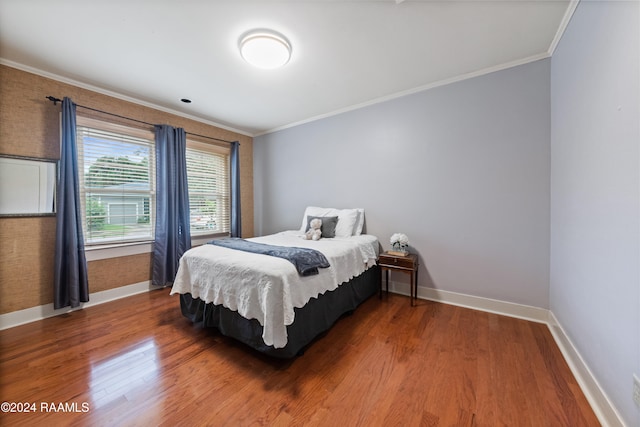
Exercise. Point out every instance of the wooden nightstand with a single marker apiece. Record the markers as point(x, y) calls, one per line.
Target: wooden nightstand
point(407, 264)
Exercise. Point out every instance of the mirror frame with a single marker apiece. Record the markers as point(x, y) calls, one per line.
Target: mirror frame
point(53, 187)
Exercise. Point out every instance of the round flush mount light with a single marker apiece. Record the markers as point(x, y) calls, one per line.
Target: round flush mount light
point(265, 49)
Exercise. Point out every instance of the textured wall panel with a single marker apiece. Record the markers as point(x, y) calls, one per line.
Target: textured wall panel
point(30, 126)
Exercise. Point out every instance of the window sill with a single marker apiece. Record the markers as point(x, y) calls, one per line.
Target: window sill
point(204, 238)
point(96, 253)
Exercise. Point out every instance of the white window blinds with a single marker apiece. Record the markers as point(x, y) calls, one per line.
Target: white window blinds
point(208, 180)
point(117, 182)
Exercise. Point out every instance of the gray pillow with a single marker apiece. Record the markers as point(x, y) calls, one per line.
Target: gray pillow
point(328, 225)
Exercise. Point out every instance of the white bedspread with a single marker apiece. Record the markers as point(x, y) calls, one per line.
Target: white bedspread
point(267, 288)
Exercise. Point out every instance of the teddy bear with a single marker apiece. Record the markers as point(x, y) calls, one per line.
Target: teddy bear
point(314, 232)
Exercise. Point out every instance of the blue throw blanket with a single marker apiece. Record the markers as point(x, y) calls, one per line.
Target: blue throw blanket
point(307, 261)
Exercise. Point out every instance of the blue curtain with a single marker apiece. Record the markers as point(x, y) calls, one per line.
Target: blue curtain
point(70, 286)
point(172, 235)
point(236, 224)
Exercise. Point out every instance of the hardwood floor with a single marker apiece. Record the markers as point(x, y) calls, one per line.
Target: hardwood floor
point(137, 361)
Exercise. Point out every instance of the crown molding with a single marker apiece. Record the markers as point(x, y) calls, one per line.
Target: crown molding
point(423, 88)
point(571, 8)
point(116, 95)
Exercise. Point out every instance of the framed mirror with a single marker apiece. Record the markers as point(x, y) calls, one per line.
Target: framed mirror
point(27, 186)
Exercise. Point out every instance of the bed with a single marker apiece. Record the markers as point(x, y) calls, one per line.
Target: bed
point(263, 301)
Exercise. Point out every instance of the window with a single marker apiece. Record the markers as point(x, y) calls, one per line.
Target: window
point(117, 182)
point(208, 181)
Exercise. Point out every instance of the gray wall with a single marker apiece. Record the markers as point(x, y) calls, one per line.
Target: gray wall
point(522, 185)
point(462, 169)
point(595, 216)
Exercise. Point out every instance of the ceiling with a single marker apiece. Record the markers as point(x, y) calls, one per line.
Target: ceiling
point(346, 54)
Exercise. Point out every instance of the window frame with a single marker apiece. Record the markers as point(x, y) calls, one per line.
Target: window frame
point(145, 134)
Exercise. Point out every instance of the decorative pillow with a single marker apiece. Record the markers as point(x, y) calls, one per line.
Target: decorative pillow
point(312, 211)
point(347, 219)
point(328, 225)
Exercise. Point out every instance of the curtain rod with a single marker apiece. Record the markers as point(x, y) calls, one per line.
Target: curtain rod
point(56, 100)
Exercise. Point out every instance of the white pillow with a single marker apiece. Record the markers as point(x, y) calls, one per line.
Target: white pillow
point(347, 219)
point(312, 211)
point(357, 230)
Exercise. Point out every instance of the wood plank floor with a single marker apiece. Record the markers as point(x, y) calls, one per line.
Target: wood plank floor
point(137, 361)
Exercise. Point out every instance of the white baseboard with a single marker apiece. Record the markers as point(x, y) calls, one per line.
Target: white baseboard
point(600, 403)
point(32, 314)
point(520, 311)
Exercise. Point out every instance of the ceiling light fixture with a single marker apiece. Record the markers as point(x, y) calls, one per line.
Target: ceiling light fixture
point(265, 49)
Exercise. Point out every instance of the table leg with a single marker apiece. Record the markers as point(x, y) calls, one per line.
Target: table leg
point(387, 281)
point(416, 285)
point(411, 286)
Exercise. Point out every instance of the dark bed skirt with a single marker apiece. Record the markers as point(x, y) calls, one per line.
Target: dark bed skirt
point(316, 317)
